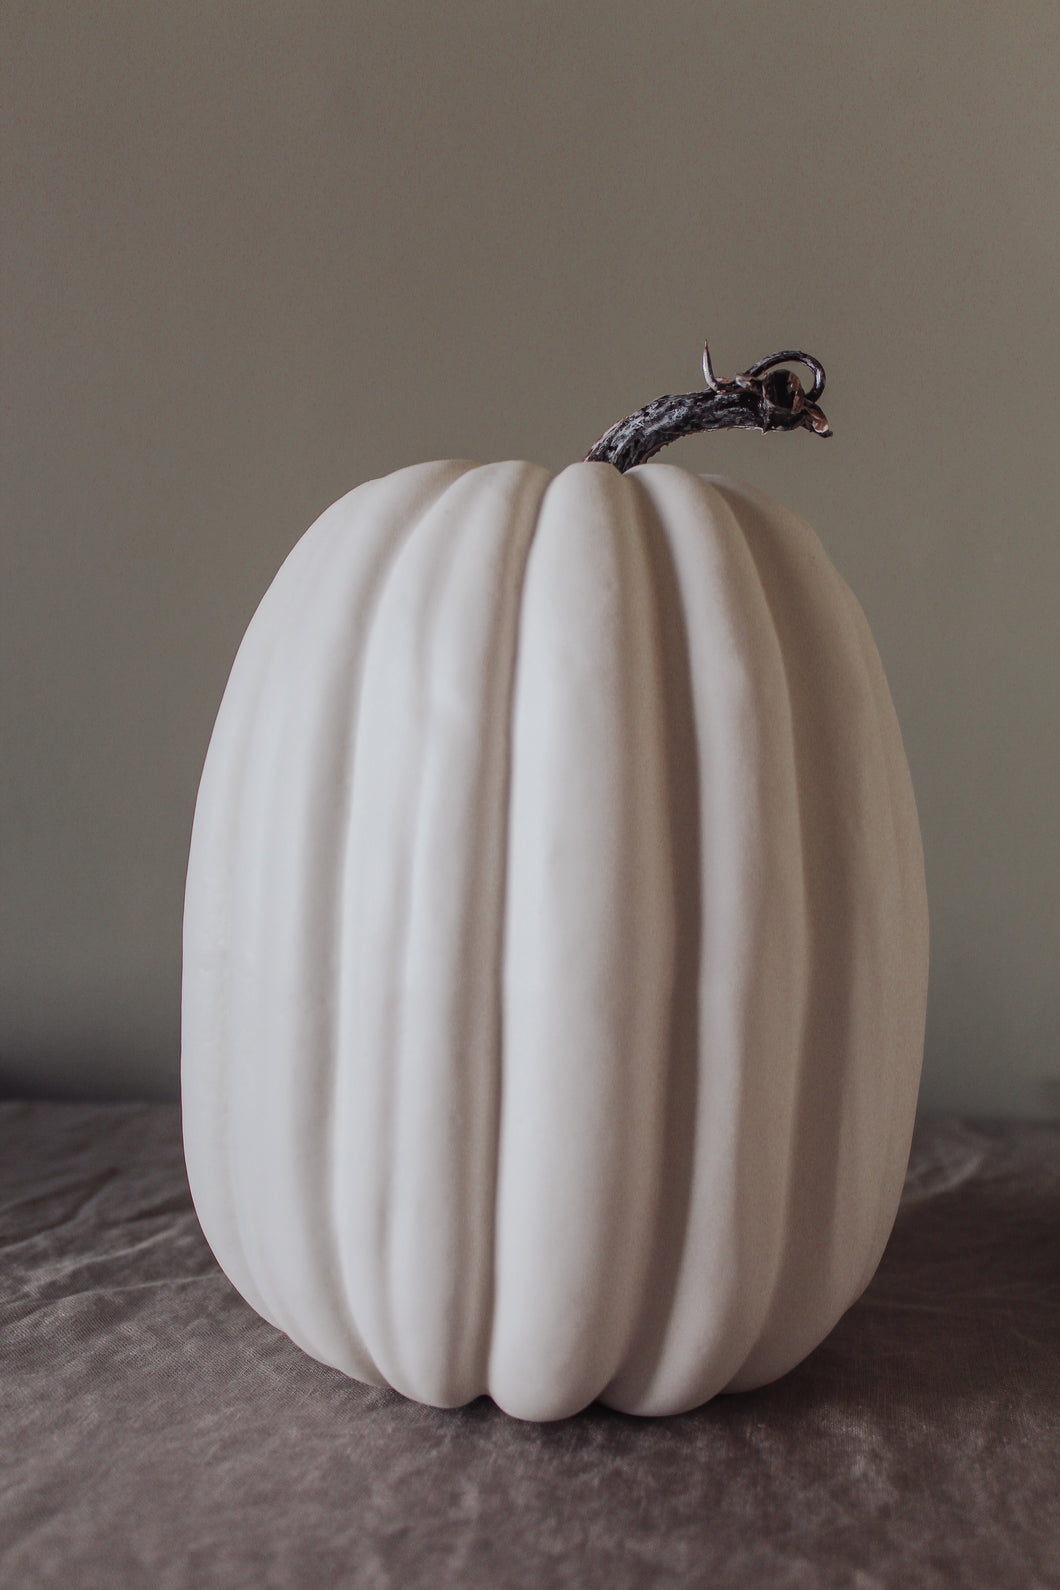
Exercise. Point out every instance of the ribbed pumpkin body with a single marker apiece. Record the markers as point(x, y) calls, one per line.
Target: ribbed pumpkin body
point(555, 942)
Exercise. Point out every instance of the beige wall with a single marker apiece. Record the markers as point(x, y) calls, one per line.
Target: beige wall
point(262, 251)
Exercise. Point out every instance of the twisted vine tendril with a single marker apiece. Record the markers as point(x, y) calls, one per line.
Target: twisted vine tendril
point(762, 398)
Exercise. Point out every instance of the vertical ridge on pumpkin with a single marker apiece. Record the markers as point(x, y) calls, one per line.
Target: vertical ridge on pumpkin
point(413, 494)
point(440, 1253)
point(233, 877)
point(286, 791)
point(587, 955)
point(744, 986)
point(359, 1084)
point(909, 970)
point(641, 1353)
point(255, 1041)
point(423, 885)
point(781, 1169)
point(839, 1164)
point(323, 670)
point(882, 1165)
point(208, 1045)
point(802, 1290)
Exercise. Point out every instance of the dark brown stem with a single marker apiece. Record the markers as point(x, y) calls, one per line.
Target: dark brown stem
point(763, 398)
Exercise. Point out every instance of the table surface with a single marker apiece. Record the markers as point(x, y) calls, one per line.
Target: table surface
point(155, 1432)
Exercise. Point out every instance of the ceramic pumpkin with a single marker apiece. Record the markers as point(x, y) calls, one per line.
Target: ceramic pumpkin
point(555, 935)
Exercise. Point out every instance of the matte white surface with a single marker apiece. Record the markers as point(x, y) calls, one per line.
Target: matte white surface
point(555, 942)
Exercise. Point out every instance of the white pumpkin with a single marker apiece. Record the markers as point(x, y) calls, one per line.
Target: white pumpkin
point(555, 942)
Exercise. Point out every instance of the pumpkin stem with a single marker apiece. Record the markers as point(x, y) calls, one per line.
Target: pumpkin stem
point(762, 398)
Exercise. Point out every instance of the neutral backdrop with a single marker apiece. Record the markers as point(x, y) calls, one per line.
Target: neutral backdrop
point(259, 252)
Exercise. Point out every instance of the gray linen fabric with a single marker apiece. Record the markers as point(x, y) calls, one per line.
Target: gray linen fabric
point(154, 1432)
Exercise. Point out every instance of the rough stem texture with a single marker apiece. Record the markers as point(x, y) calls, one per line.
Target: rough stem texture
point(763, 398)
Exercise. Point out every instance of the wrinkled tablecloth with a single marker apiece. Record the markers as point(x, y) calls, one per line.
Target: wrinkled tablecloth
point(155, 1432)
